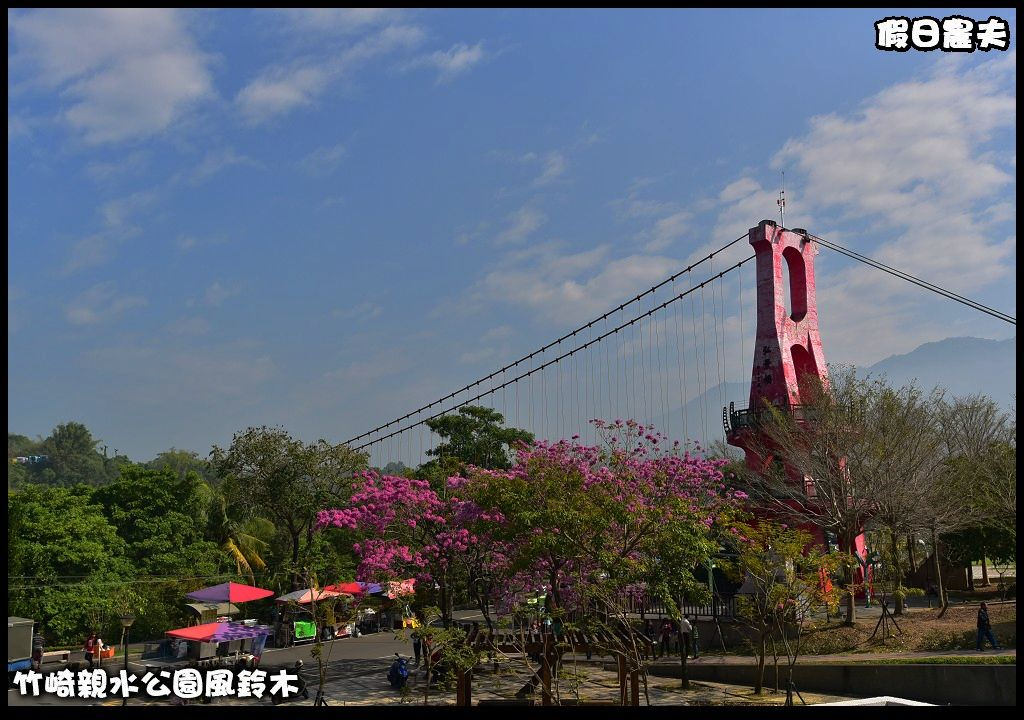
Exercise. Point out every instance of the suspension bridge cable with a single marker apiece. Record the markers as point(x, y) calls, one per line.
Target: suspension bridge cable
point(912, 279)
point(681, 369)
point(551, 344)
point(540, 368)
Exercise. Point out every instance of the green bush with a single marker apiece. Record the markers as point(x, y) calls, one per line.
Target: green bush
point(829, 640)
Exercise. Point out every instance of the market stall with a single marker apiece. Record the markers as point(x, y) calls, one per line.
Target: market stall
point(296, 623)
point(209, 612)
point(238, 640)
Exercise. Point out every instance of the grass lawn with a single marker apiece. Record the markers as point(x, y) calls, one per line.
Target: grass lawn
point(947, 660)
point(922, 630)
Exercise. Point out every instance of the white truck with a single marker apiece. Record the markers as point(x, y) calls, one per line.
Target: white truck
point(19, 644)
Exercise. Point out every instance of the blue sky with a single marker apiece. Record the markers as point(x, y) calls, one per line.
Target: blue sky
point(320, 219)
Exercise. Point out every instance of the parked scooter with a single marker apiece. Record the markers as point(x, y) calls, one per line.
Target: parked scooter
point(399, 672)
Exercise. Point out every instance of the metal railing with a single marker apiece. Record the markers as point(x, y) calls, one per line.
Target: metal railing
point(736, 419)
point(723, 607)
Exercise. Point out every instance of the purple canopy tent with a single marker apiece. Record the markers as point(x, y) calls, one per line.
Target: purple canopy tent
point(218, 632)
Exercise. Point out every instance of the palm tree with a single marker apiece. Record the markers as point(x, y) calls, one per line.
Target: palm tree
point(239, 540)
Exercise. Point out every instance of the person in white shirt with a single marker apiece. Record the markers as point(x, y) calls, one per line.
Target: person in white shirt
point(684, 630)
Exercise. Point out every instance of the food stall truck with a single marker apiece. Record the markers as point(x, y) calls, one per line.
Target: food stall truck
point(295, 622)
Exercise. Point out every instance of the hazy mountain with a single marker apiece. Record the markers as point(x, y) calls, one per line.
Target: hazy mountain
point(962, 365)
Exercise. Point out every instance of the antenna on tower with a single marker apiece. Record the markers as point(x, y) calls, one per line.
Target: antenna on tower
point(782, 202)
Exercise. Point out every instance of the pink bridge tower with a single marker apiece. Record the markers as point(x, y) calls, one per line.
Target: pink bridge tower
point(787, 348)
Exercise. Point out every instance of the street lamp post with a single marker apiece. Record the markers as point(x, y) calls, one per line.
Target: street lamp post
point(126, 622)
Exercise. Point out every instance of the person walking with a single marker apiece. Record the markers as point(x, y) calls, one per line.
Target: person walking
point(685, 628)
point(417, 646)
point(985, 628)
point(90, 648)
point(37, 649)
point(695, 638)
point(666, 634)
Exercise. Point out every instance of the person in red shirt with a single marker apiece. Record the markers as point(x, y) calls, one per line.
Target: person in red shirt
point(90, 648)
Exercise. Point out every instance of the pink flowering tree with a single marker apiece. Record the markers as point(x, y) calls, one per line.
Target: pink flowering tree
point(406, 528)
point(599, 527)
point(630, 516)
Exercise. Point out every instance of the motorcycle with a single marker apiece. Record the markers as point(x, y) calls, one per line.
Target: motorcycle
point(399, 672)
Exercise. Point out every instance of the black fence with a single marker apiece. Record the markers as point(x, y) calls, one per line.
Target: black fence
point(723, 607)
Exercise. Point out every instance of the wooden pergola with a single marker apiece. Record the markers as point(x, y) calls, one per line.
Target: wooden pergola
point(550, 647)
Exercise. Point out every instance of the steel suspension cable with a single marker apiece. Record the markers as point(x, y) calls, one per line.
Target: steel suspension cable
point(579, 348)
point(998, 314)
point(550, 345)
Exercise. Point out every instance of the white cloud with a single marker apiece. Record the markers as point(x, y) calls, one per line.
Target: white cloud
point(189, 326)
point(380, 365)
point(912, 161)
point(129, 164)
point(93, 250)
point(907, 178)
point(101, 304)
point(217, 160)
point(633, 206)
point(280, 89)
point(667, 230)
point(335, 20)
point(130, 73)
point(118, 212)
point(363, 311)
point(522, 223)
point(216, 294)
point(568, 287)
point(492, 344)
point(18, 127)
point(324, 160)
point(188, 242)
point(172, 376)
point(99, 247)
point(555, 165)
point(451, 63)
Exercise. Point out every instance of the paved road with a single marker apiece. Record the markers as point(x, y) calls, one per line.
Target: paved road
point(364, 660)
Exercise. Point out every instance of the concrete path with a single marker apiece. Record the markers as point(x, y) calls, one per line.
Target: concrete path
point(840, 657)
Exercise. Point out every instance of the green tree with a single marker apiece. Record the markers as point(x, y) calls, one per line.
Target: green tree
point(783, 579)
point(72, 457)
point(243, 541)
point(19, 445)
point(977, 487)
point(161, 518)
point(818, 462)
point(64, 558)
point(475, 436)
point(269, 473)
point(182, 462)
point(980, 544)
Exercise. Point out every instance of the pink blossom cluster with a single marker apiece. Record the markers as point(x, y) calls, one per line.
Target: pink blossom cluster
point(409, 527)
point(635, 476)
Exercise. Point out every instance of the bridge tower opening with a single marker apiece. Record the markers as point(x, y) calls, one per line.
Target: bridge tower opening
point(788, 356)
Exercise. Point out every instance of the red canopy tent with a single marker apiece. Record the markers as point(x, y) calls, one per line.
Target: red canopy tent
point(230, 592)
point(217, 632)
point(350, 588)
point(304, 597)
